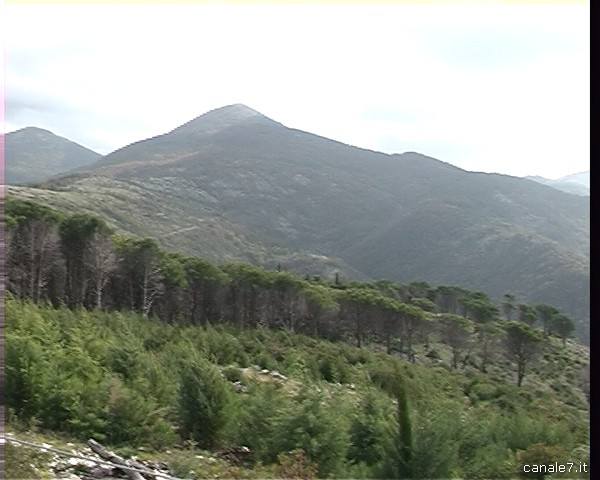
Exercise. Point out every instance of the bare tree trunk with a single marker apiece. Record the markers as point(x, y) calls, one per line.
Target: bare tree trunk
point(152, 287)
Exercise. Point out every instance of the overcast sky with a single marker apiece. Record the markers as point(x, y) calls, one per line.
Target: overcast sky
point(494, 87)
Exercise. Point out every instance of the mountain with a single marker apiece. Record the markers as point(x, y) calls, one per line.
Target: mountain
point(576, 183)
point(582, 178)
point(34, 155)
point(235, 185)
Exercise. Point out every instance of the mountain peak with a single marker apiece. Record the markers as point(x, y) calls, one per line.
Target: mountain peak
point(41, 132)
point(237, 109)
point(224, 117)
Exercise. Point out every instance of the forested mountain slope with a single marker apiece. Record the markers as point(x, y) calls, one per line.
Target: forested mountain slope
point(235, 185)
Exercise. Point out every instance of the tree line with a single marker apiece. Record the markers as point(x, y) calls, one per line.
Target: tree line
point(78, 261)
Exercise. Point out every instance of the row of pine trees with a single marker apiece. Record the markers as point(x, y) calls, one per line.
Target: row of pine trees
point(78, 261)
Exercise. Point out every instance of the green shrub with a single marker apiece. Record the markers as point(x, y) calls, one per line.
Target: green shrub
point(128, 415)
point(232, 374)
point(26, 373)
point(265, 360)
point(222, 347)
point(159, 433)
point(295, 364)
point(433, 354)
point(370, 431)
point(319, 429)
point(205, 402)
point(295, 465)
point(436, 436)
point(334, 369)
point(491, 460)
point(255, 423)
point(124, 360)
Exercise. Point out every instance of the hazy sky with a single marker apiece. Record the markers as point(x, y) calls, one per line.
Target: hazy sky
point(500, 87)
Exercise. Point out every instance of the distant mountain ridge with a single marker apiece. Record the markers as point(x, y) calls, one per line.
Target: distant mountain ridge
point(582, 178)
point(576, 183)
point(235, 185)
point(35, 155)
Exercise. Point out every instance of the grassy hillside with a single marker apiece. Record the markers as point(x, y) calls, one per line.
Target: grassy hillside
point(138, 209)
point(125, 380)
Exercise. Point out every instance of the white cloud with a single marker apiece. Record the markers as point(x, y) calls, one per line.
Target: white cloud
point(492, 87)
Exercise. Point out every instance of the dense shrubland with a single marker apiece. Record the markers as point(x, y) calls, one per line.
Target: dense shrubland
point(134, 381)
point(113, 338)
